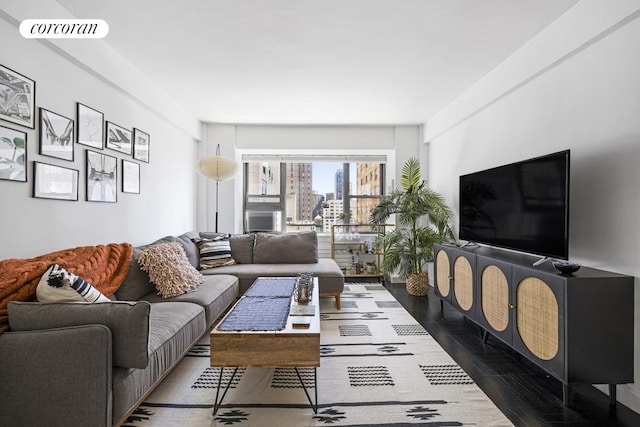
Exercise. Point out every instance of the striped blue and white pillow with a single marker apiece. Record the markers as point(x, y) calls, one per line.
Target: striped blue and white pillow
point(214, 252)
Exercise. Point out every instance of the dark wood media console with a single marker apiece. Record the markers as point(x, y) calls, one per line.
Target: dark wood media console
point(578, 328)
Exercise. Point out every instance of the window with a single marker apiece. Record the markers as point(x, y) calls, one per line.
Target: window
point(313, 195)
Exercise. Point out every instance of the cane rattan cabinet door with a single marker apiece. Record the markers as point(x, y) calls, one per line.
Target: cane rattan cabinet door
point(442, 271)
point(495, 301)
point(455, 280)
point(539, 318)
point(463, 273)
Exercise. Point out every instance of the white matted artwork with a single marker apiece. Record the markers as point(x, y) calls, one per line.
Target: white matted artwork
point(130, 177)
point(90, 126)
point(56, 135)
point(55, 182)
point(118, 138)
point(102, 177)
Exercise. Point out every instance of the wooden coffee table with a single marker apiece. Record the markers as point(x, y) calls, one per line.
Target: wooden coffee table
point(290, 347)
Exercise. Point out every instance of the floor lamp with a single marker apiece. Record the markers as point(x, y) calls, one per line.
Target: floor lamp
point(219, 169)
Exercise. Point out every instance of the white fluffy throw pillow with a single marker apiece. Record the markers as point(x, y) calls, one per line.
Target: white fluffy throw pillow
point(58, 284)
point(169, 269)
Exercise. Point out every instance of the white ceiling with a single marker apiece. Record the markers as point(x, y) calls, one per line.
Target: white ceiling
point(318, 61)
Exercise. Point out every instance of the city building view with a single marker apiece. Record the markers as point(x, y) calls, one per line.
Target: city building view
point(295, 196)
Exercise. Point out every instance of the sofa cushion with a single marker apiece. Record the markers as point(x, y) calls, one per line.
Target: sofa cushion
point(169, 269)
point(242, 247)
point(137, 282)
point(58, 284)
point(168, 319)
point(215, 294)
point(128, 322)
point(174, 328)
point(190, 248)
point(295, 248)
point(330, 277)
point(214, 252)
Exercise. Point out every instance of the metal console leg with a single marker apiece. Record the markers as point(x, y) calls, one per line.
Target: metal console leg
point(314, 406)
point(218, 403)
point(566, 394)
point(612, 395)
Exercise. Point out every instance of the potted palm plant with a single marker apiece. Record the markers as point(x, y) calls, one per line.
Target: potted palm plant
point(422, 219)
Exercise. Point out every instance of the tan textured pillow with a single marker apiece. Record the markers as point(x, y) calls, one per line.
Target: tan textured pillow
point(169, 269)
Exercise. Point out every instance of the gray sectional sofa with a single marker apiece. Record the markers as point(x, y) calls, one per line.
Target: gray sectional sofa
point(264, 254)
point(64, 364)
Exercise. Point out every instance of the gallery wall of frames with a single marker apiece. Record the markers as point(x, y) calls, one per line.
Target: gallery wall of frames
point(112, 153)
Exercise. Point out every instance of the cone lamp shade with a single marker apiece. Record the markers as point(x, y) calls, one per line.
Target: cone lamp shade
point(219, 169)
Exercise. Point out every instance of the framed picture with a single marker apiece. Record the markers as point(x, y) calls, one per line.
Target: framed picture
point(118, 138)
point(56, 135)
point(54, 182)
point(90, 126)
point(141, 142)
point(130, 177)
point(17, 98)
point(102, 177)
point(13, 155)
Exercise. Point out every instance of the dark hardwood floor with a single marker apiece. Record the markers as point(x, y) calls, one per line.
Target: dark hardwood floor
point(523, 392)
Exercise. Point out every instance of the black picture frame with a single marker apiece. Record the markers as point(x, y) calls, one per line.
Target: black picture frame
point(141, 145)
point(130, 177)
point(56, 135)
point(17, 98)
point(90, 126)
point(55, 182)
point(102, 177)
point(13, 155)
point(118, 138)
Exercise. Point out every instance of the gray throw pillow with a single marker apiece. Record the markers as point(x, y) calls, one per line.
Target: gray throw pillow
point(294, 248)
point(190, 248)
point(128, 322)
point(242, 248)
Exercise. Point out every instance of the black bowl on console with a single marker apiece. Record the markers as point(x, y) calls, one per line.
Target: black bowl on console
point(566, 267)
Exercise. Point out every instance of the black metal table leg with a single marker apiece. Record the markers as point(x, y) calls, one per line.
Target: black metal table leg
point(314, 406)
point(218, 403)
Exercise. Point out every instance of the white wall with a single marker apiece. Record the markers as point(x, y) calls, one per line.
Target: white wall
point(230, 190)
point(64, 75)
point(396, 142)
point(574, 86)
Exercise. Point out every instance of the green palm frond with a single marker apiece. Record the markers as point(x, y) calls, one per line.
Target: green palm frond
point(410, 177)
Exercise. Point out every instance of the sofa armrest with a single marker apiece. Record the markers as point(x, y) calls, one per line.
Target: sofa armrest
point(57, 376)
point(128, 322)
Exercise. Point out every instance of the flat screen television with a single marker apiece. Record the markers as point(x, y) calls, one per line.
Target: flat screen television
point(522, 206)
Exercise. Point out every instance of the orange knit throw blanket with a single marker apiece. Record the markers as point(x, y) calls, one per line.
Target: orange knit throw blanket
point(104, 266)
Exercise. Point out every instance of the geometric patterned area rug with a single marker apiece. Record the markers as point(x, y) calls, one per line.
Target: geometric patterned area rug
point(379, 366)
